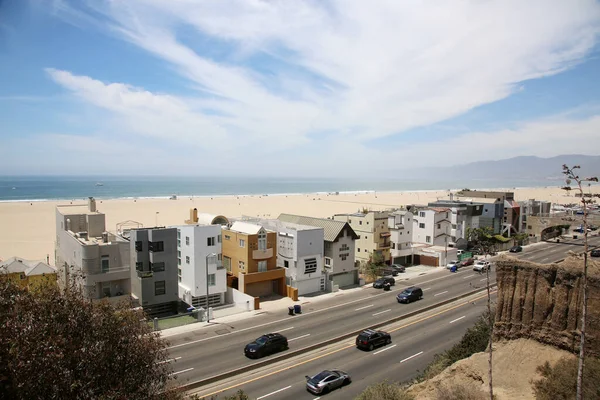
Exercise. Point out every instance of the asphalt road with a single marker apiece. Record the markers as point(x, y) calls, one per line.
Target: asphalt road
point(414, 344)
point(549, 252)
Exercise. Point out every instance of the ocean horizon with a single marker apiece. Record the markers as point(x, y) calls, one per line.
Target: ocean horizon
point(48, 188)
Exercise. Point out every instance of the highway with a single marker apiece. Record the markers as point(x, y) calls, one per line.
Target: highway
point(218, 348)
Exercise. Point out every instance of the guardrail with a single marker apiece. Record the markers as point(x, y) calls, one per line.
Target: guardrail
point(289, 354)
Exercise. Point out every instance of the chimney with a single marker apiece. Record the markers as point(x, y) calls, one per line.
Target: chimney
point(92, 204)
point(105, 237)
point(451, 196)
point(194, 215)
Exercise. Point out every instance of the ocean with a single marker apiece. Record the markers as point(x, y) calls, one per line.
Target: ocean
point(39, 188)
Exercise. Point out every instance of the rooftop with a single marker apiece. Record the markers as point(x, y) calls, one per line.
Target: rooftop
point(18, 265)
point(331, 228)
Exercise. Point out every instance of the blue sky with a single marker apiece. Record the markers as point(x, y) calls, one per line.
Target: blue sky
point(302, 88)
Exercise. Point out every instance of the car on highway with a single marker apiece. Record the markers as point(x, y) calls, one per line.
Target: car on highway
point(466, 262)
point(379, 283)
point(265, 345)
point(453, 263)
point(370, 338)
point(410, 294)
point(326, 381)
point(516, 249)
point(481, 266)
point(595, 253)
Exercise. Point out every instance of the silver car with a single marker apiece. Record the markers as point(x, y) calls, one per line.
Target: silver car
point(326, 381)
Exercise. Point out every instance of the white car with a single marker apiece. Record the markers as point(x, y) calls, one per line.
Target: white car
point(482, 266)
point(453, 263)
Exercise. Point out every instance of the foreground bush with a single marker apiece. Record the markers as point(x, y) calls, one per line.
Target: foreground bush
point(384, 391)
point(559, 382)
point(460, 391)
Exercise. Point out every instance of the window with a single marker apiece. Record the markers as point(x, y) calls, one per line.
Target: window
point(179, 272)
point(310, 265)
point(159, 288)
point(360, 222)
point(262, 266)
point(178, 261)
point(262, 240)
point(187, 259)
point(393, 246)
point(242, 243)
point(138, 245)
point(358, 249)
point(428, 239)
point(227, 263)
point(156, 246)
point(158, 266)
point(241, 265)
point(439, 226)
point(187, 240)
point(106, 289)
point(178, 233)
point(286, 264)
point(365, 250)
point(179, 253)
point(211, 280)
point(453, 226)
point(227, 237)
point(104, 262)
point(447, 215)
point(422, 214)
point(421, 225)
point(139, 266)
point(327, 261)
point(218, 238)
point(210, 241)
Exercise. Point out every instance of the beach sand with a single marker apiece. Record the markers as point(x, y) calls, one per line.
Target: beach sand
point(27, 230)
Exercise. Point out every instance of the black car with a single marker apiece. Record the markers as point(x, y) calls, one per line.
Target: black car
point(265, 345)
point(595, 253)
point(410, 294)
point(379, 283)
point(516, 249)
point(369, 339)
point(398, 268)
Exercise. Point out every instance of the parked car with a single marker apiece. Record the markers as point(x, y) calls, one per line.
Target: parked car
point(481, 266)
point(398, 268)
point(265, 345)
point(379, 283)
point(595, 253)
point(516, 249)
point(409, 294)
point(466, 262)
point(326, 381)
point(369, 339)
point(459, 252)
point(453, 263)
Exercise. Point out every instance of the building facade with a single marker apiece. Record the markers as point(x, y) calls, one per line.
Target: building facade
point(85, 253)
point(463, 216)
point(250, 258)
point(373, 234)
point(154, 269)
point(400, 224)
point(432, 226)
point(533, 208)
point(199, 265)
point(28, 274)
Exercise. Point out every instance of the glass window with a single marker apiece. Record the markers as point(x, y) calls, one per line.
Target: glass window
point(158, 266)
point(139, 266)
point(187, 240)
point(218, 238)
point(159, 288)
point(310, 265)
point(262, 240)
point(421, 225)
point(187, 259)
point(156, 246)
point(227, 263)
point(428, 239)
point(262, 266)
point(138, 245)
point(210, 241)
point(211, 280)
point(105, 263)
point(242, 243)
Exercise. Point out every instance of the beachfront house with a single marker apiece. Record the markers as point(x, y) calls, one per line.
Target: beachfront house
point(154, 276)
point(250, 259)
point(432, 226)
point(200, 272)
point(27, 273)
point(89, 256)
point(338, 250)
point(373, 234)
point(463, 217)
point(501, 212)
point(400, 225)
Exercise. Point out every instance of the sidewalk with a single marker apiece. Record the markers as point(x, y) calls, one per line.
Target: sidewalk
point(230, 314)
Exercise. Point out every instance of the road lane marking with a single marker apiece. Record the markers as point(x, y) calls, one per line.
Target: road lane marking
point(169, 360)
point(181, 372)
point(362, 308)
point(277, 391)
point(427, 289)
point(342, 348)
point(285, 329)
point(413, 356)
point(387, 348)
point(484, 279)
point(299, 337)
point(457, 319)
point(467, 277)
point(381, 312)
point(437, 294)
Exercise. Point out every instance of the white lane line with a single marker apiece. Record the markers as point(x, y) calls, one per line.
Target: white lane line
point(387, 348)
point(181, 372)
point(299, 337)
point(484, 279)
point(467, 277)
point(413, 356)
point(285, 329)
point(457, 319)
point(277, 391)
point(437, 294)
point(169, 360)
point(427, 289)
point(362, 308)
point(381, 312)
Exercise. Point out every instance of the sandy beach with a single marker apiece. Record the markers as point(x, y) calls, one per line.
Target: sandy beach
point(28, 229)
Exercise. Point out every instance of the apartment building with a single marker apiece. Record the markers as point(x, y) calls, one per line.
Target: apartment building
point(463, 216)
point(373, 234)
point(338, 249)
point(27, 273)
point(400, 224)
point(199, 267)
point(86, 254)
point(501, 212)
point(154, 279)
point(432, 226)
point(533, 208)
point(250, 258)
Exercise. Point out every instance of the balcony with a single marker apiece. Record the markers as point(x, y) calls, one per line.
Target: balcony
point(262, 254)
point(145, 274)
point(384, 245)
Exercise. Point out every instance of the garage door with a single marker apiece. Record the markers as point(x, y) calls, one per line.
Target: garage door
point(428, 260)
point(343, 280)
point(259, 289)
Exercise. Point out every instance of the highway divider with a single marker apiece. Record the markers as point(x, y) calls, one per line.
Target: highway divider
point(292, 353)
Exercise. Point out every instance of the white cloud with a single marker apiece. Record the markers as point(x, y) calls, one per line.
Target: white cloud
point(349, 67)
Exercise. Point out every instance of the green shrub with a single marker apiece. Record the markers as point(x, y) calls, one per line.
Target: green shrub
point(559, 382)
point(384, 391)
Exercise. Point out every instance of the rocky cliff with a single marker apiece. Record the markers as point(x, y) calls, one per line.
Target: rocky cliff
point(543, 302)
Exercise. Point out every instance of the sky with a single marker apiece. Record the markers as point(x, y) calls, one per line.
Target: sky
point(332, 88)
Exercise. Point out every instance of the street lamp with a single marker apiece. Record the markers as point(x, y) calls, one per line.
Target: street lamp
point(213, 259)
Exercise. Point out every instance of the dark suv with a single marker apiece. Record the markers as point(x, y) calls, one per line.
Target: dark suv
point(265, 345)
point(378, 284)
point(369, 339)
point(410, 294)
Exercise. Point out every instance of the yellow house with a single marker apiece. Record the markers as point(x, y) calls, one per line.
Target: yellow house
point(27, 273)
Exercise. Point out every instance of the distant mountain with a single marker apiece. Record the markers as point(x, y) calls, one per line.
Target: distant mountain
point(521, 168)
